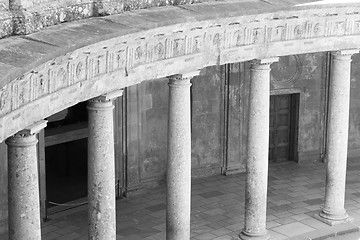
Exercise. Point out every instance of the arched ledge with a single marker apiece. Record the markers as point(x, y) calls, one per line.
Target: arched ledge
point(48, 71)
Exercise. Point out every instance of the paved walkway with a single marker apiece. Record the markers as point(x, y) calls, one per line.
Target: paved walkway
point(295, 194)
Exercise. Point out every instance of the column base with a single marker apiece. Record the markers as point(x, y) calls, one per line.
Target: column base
point(259, 236)
point(333, 219)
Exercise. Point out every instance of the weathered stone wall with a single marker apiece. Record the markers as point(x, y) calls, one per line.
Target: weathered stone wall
point(354, 122)
point(3, 188)
point(206, 123)
point(34, 15)
point(6, 20)
point(146, 134)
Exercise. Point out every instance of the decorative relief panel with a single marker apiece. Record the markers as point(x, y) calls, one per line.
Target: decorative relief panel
point(155, 51)
point(77, 71)
point(117, 58)
point(97, 64)
point(277, 33)
point(209, 39)
point(21, 93)
point(5, 99)
point(40, 84)
point(194, 43)
point(335, 28)
point(286, 71)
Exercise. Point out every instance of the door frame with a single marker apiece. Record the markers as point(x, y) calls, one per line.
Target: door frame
point(296, 101)
point(79, 131)
point(120, 140)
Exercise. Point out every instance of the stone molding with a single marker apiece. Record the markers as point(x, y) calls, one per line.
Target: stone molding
point(126, 60)
point(21, 138)
point(262, 64)
point(182, 79)
point(344, 55)
point(104, 102)
point(267, 61)
point(33, 129)
point(107, 97)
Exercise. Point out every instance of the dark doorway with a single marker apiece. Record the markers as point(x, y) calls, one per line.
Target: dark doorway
point(66, 157)
point(66, 171)
point(283, 127)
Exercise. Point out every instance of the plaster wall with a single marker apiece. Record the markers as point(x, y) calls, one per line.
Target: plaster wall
point(354, 122)
point(207, 124)
point(237, 85)
point(146, 133)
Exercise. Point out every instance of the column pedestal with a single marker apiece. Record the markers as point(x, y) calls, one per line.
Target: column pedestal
point(334, 211)
point(101, 169)
point(258, 145)
point(23, 185)
point(178, 185)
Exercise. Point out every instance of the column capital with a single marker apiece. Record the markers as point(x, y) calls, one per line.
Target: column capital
point(183, 77)
point(107, 97)
point(344, 54)
point(19, 138)
point(32, 130)
point(265, 61)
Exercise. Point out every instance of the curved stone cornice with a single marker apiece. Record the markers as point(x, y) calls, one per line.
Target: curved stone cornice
point(48, 71)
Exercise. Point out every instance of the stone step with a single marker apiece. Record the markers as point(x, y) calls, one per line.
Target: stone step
point(336, 232)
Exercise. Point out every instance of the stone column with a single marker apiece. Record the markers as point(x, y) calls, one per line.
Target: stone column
point(337, 138)
point(101, 168)
point(258, 148)
point(178, 198)
point(23, 184)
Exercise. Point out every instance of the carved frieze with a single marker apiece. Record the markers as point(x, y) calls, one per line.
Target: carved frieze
point(128, 53)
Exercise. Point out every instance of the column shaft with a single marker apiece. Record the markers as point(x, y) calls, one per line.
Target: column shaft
point(101, 170)
point(337, 137)
point(258, 145)
point(179, 160)
point(23, 186)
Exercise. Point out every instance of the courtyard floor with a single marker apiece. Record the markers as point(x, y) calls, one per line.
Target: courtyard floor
point(295, 194)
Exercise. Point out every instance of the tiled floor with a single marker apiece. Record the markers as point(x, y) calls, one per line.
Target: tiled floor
point(295, 194)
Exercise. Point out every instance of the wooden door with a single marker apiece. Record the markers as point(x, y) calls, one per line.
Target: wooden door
point(283, 125)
